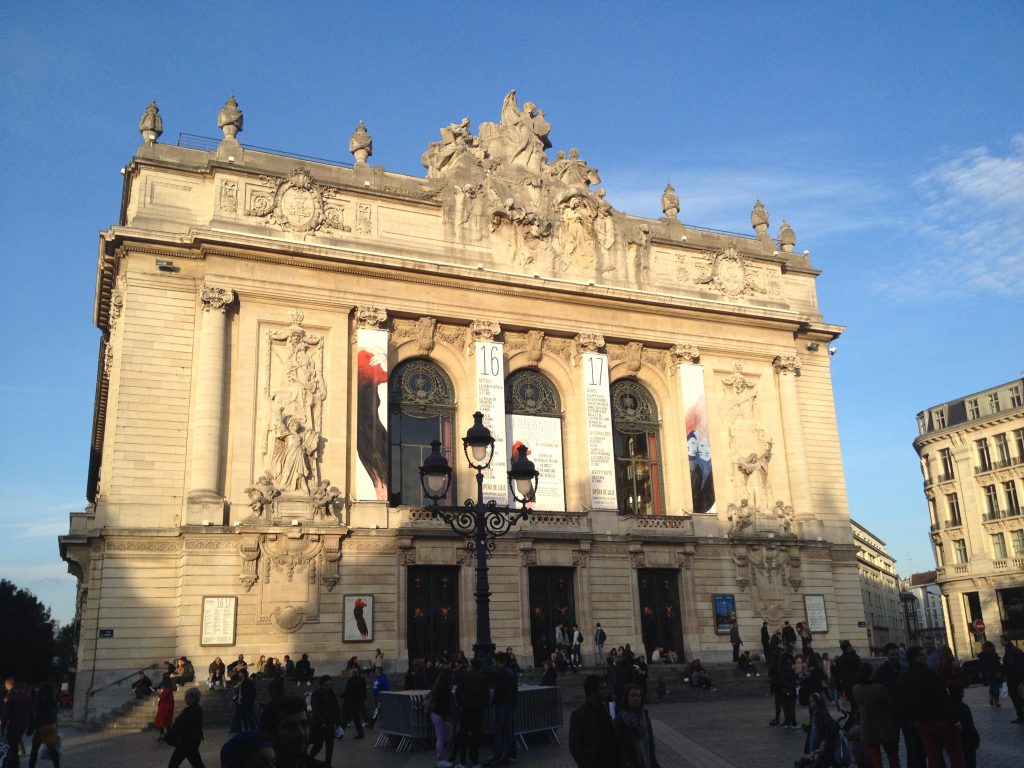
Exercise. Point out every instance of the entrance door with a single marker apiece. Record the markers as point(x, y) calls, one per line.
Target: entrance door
point(552, 601)
point(433, 611)
point(660, 619)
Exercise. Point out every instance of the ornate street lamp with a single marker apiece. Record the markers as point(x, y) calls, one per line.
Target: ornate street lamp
point(478, 522)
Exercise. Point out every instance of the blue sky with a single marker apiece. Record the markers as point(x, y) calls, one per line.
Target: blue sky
point(890, 135)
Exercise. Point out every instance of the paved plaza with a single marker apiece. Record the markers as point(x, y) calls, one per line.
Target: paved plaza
point(711, 733)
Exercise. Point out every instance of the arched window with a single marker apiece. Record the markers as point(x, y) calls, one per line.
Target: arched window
point(421, 405)
point(637, 451)
point(534, 412)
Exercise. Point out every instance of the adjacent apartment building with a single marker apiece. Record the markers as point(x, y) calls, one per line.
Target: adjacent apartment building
point(880, 589)
point(922, 608)
point(972, 459)
point(283, 338)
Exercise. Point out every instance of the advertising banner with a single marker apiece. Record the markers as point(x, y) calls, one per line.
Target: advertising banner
point(698, 439)
point(371, 415)
point(542, 436)
point(490, 401)
point(597, 415)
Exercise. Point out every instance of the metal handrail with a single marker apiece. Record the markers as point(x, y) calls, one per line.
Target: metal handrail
point(120, 680)
point(209, 144)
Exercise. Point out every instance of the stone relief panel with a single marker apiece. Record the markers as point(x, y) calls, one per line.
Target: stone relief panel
point(772, 573)
point(289, 570)
point(297, 203)
point(751, 449)
point(293, 392)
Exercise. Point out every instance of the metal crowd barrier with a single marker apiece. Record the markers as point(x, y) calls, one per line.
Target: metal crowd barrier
point(403, 718)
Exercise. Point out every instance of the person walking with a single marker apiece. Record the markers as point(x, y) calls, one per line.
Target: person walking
point(879, 729)
point(440, 709)
point(634, 732)
point(352, 698)
point(1013, 673)
point(928, 703)
point(788, 683)
point(989, 668)
point(600, 636)
point(592, 741)
point(187, 732)
point(504, 711)
point(734, 638)
point(846, 668)
point(576, 656)
point(42, 726)
point(324, 718)
point(766, 639)
point(247, 702)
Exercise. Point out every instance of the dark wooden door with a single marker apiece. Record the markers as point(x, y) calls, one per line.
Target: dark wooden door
point(552, 601)
point(660, 620)
point(433, 611)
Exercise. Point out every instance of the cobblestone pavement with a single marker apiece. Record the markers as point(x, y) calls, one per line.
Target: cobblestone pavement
point(711, 733)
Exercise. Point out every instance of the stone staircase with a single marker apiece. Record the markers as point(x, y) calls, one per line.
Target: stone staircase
point(137, 714)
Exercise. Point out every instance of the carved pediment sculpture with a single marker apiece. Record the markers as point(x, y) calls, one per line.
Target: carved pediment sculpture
point(325, 499)
point(261, 495)
point(727, 272)
point(289, 570)
point(292, 409)
point(298, 204)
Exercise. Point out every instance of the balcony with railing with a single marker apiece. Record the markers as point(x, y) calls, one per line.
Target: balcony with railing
point(956, 522)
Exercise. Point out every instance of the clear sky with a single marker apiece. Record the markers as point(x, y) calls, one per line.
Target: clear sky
point(889, 135)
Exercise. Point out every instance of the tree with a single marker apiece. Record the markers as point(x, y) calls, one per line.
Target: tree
point(26, 640)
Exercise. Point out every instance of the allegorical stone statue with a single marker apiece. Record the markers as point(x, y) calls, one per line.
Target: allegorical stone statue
point(360, 144)
point(573, 172)
point(787, 237)
point(151, 126)
point(759, 218)
point(755, 472)
point(323, 498)
point(524, 133)
point(229, 119)
point(670, 202)
point(261, 495)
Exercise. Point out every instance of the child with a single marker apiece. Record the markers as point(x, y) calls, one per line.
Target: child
point(968, 733)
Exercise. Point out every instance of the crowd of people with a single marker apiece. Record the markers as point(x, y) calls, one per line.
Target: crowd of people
point(32, 714)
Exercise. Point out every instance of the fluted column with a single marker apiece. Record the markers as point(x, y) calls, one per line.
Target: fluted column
point(786, 368)
point(205, 492)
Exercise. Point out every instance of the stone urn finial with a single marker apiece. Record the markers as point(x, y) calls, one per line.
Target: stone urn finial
point(670, 202)
point(151, 126)
point(360, 144)
point(229, 119)
point(759, 218)
point(787, 237)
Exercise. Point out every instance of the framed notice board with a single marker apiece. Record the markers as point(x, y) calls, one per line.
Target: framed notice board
point(814, 609)
point(218, 624)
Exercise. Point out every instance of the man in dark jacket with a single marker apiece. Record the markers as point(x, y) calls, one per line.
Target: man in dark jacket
point(592, 741)
point(187, 732)
point(846, 668)
point(789, 636)
point(324, 719)
point(622, 674)
point(928, 703)
point(472, 695)
point(247, 702)
point(1013, 671)
point(504, 711)
point(888, 675)
point(14, 718)
point(352, 698)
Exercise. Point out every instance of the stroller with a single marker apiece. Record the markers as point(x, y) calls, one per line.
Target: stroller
point(834, 747)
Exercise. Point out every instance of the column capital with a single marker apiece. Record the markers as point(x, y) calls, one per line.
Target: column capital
point(483, 330)
point(683, 353)
point(589, 342)
point(786, 364)
point(216, 298)
point(368, 316)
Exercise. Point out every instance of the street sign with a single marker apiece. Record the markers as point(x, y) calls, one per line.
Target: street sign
point(106, 633)
point(979, 626)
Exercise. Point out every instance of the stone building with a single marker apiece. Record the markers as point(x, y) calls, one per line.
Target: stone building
point(282, 339)
point(922, 606)
point(972, 459)
point(880, 589)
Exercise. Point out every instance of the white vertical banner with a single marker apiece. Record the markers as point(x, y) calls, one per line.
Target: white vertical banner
point(542, 436)
point(597, 415)
point(371, 414)
point(490, 401)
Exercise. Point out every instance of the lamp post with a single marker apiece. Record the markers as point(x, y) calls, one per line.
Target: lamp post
point(478, 522)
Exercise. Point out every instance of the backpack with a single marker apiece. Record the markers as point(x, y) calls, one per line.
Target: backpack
point(600, 637)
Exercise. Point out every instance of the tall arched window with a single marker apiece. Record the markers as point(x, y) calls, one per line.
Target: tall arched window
point(637, 451)
point(421, 405)
point(534, 412)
